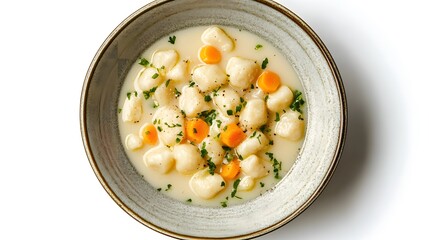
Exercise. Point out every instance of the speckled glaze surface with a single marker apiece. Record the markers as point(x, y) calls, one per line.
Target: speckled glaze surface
point(326, 129)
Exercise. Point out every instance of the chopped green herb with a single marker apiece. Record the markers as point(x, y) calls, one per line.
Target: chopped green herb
point(177, 93)
point(168, 187)
point(258, 46)
point(212, 166)
point(252, 86)
point(144, 62)
point(240, 157)
point(203, 150)
point(238, 108)
point(189, 200)
point(262, 184)
point(154, 76)
point(300, 117)
point(159, 128)
point(271, 142)
point(147, 94)
point(215, 91)
point(222, 184)
point(234, 187)
point(207, 98)
point(277, 166)
point(173, 125)
point(119, 110)
point(253, 135)
point(266, 98)
point(191, 84)
point(277, 117)
point(155, 104)
point(159, 189)
point(172, 39)
point(178, 140)
point(297, 101)
point(224, 204)
point(229, 112)
point(264, 63)
point(128, 95)
point(218, 123)
point(180, 134)
point(208, 116)
point(259, 138)
point(167, 82)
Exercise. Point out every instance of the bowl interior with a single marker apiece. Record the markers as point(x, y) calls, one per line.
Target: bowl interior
point(318, 157)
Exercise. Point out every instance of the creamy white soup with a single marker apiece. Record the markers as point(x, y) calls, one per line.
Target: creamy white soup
point(212, 116)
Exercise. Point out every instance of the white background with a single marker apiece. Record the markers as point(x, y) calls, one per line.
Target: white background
point(48, 189)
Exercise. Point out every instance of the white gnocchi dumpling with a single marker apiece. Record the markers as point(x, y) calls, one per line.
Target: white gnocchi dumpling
point(254, 167)
point(217, 37)
point(165, 59)
point(242, 72)
point(254, 143)
point(159, 158)
point(205, 185)
point(132, 109)
point(192, 101)
point(209, 77)
point(179, 73)
point(254, 114)
point(133, 142)
point(164, 93)
point(246, 183)
point(147, 79)
point(280, 99)
point(170, 123)
point(290, 126)
point(227, 99)
point(188, 158)
point(214, 149)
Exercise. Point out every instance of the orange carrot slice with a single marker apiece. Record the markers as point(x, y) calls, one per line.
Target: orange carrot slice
point(210, 55)
point(149, 134)
point(232, 136)
point(269, 81)
point(196, 130)
point(231, 170)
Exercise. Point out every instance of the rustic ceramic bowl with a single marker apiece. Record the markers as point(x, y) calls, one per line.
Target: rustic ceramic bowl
point(326, 127)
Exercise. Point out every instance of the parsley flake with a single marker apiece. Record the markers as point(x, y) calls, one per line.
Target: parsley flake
point(258, 46)
point(172, 39)
point(154, 76)
point(264, 63)
point(297, 101)
point(144, 62)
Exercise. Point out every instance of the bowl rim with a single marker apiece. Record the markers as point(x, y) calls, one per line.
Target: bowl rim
point(328, 175)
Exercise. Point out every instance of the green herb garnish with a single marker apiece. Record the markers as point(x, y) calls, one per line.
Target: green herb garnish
point(258, 46)
point(208, 116)
point(297, 101)
point(147, 94)
point(229, 112)
point(264, 63)
point(207, 98)
point(172, 39)
point(277, 117)
point(154, 76)
point(212, 167)
point(234, 187)
point(144, 62)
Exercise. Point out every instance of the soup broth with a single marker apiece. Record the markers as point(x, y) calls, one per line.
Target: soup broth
point(212, 116)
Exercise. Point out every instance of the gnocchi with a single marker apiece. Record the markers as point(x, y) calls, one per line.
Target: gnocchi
point(242, 72)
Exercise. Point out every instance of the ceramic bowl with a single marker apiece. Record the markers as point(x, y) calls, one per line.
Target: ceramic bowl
point(316, 162)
